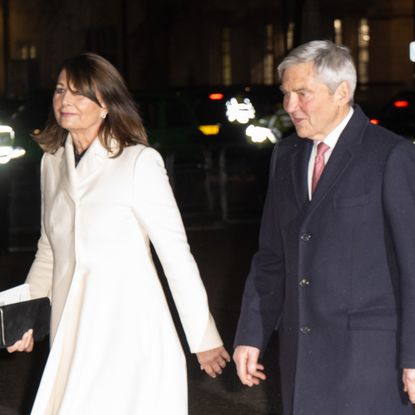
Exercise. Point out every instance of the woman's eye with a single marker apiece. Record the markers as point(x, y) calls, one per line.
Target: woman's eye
point(59, 90)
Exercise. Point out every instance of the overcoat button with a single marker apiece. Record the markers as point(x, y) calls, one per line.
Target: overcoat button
point(304, 282)
point(305, 329)
point(305, 237)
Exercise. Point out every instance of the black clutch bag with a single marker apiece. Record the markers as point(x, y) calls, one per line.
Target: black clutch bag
point(17, 318)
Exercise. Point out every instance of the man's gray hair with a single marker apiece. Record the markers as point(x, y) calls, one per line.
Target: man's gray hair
point(333, 63)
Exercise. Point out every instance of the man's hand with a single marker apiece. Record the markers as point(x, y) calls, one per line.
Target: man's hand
point(25, 344)
point(213, 361)
point(408, 378)
point(250, 372)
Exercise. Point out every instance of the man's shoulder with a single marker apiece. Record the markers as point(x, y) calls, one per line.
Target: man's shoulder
point(381, 137)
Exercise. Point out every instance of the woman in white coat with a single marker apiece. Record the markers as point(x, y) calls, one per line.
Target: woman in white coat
point(105, 196)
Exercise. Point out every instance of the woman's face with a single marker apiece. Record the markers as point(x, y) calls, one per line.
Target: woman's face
point(74, 112)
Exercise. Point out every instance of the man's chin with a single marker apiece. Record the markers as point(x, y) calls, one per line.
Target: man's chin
point(301, 133)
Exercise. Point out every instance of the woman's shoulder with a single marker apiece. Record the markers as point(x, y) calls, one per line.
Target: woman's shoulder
point(52, 158)
point(142, 152)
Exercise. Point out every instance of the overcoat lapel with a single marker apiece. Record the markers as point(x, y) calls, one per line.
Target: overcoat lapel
point(346, 148)
point(299, 170)
point(335, 167)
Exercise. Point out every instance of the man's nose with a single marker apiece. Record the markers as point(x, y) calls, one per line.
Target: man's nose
point(290, 103)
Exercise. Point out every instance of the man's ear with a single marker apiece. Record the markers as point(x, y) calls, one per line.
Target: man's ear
point(343, 94)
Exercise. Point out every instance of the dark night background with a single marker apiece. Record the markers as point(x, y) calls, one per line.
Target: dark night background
point(173, 55)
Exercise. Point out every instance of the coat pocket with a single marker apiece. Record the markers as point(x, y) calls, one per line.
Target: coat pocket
point(348, 202)
point(379, 318)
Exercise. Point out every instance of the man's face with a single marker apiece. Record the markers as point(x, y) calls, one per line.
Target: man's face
point(314, 110)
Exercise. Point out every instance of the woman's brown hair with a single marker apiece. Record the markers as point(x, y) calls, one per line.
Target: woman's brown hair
point(89, 73)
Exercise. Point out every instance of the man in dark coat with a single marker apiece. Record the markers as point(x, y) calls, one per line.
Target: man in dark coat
point(335, 268)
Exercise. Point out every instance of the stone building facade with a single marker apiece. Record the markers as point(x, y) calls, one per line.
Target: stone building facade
point(161, 43)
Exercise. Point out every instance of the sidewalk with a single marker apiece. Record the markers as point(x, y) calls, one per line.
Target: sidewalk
point(223, 255)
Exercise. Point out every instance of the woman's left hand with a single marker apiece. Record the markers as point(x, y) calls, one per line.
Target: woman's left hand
point(25, 344)
point(213, 361)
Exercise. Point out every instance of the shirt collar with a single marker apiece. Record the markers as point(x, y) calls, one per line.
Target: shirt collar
point(333, 136)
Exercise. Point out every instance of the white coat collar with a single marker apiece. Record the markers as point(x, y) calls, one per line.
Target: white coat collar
point(90, 164)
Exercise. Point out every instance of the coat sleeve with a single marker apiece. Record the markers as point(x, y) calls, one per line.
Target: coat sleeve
point(157, 211)
point(264, 288)
point(399, 206)
point(41, 271)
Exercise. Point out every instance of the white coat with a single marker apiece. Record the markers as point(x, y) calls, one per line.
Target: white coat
point(114, 347)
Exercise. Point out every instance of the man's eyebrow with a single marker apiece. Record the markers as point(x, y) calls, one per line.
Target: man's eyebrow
point(301, 89)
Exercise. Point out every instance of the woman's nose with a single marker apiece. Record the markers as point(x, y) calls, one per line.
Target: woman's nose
point(66, 97)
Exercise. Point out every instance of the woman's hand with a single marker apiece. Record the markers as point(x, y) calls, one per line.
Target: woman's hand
point(213, 361)
point(25, 344)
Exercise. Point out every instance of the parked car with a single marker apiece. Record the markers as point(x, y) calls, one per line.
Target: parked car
point(28, 120)
point(19, 170)
point(171, 127)
point(9, 149)
point(8, 106)
point(240, 115)
point(169, 121)
point(398, 114)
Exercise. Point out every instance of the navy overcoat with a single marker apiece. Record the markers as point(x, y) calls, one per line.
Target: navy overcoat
point(336, 276)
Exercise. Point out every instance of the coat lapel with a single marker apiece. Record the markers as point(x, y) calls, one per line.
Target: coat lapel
point(343, 153)
point(92, 162)
point(299, 169)
point(73, 178)
point(67, 168)
point(335, 167)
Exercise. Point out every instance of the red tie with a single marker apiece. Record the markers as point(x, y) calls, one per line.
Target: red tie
point(318, 165)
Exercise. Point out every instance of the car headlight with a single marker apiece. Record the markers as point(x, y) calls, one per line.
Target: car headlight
point(240, 112)
point(6, 135)
point(7, 150)
point(8, 153)
point(259, 134)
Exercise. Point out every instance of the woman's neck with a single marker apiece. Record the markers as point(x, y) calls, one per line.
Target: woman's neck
point(81, 142)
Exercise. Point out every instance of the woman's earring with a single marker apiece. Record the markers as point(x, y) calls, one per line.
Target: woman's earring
point(103, 116)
